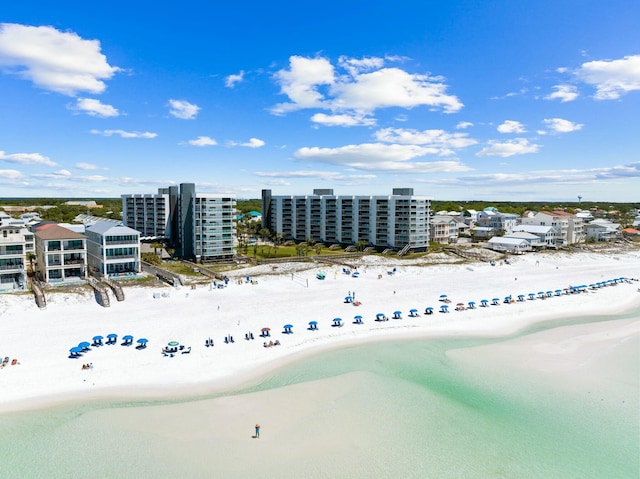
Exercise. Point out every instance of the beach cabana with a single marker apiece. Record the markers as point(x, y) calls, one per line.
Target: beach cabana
point(532, 296)
point(397, 315)
point(265, 332)
point(357, 319)
point(521, 297)
point(381, 317)
point(428, 310)
point(112, 338)
point(413, 313)
point(337, 322)
point(495, 301)
point(288, 329)
point(444, 308)
point(355, 274)
point(313, 325)
point(541, 294)
point(507, 299)
point(142, 343)
point(549, 294)
point(472, 305)
point(460, 307)
point(97, 340)
point(484, 303)
point(127, 340)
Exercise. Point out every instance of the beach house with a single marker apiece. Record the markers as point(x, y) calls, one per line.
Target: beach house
point(603, 230)
point(570, 228)
point(13, 258)
point(490, 217)
point(61, 254)
point(547, 234)
point(443, 229)
point(113, 249)
point(398, 221)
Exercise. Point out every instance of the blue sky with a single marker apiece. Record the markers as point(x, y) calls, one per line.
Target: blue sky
point(461, 100)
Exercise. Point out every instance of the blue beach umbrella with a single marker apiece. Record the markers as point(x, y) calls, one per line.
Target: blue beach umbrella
point(472, 304)
point(532, 296)
point(484, 303)
point(443, 297)
point(143, 340)
point(313, 325)
point(98, 338)
point(521, 297)
point(380, 316)
point(357, 319)
point(558, 292)
point(495, 301)
point(337, 321)
point(287, 328)
point(428, 310)
point(413, 312)
point(444, 308)
point(397, 315)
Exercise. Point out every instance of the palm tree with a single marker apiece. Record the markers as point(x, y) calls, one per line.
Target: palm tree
point(31, 257)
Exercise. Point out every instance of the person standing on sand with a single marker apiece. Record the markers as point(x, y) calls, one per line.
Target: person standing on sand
point(257, 431)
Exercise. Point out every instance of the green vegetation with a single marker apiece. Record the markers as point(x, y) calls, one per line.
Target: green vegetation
point(54, 209)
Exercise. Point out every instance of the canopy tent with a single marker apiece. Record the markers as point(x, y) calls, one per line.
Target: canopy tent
point(484, 303)
point(472, 304)
point(428, 310)
point(265, 332)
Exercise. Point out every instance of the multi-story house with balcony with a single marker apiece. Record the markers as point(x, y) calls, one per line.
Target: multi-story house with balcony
point(443, 229)
point(490, 217)
point(398, 221)
point(13, 260)
point(113, 249)
point(199, 226)
point(61, 254)
point(569, 228)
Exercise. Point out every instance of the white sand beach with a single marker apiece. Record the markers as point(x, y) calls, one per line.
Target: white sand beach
point(41, 339)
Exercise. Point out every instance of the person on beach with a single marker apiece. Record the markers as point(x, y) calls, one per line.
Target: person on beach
point(257, 431)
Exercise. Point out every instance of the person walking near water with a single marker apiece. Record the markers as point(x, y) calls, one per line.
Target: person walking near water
point(257, 431)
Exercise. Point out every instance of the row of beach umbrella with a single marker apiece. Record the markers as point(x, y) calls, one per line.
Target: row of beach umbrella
point(112, 338)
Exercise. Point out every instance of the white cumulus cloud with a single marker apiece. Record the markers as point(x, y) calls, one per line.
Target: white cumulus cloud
point(504, 149)
point(27, 159)
point(560, 125)
point(53, 60)
point(511, 126)
point(231, 80)
point(345, 119)
point(93, 107)
point(611, 78)
point(564, 93)
point(183, 109)
point(203, 141)
point(11, 174)
point(358, 87)
point(463, 124)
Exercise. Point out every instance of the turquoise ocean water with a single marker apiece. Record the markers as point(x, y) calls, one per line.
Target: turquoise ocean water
point(409, 411)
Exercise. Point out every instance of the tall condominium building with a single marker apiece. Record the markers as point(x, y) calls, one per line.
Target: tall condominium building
point(199, 226)
point(399, 221)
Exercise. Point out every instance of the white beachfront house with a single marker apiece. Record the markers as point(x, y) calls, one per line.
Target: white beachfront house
point(547, 234)
point(603, 230)
point(570, 228)
point(13, 276)
point(397, 221)
point(509, 245)
point(61, 254)
point(113, 249)
point(533, 239)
